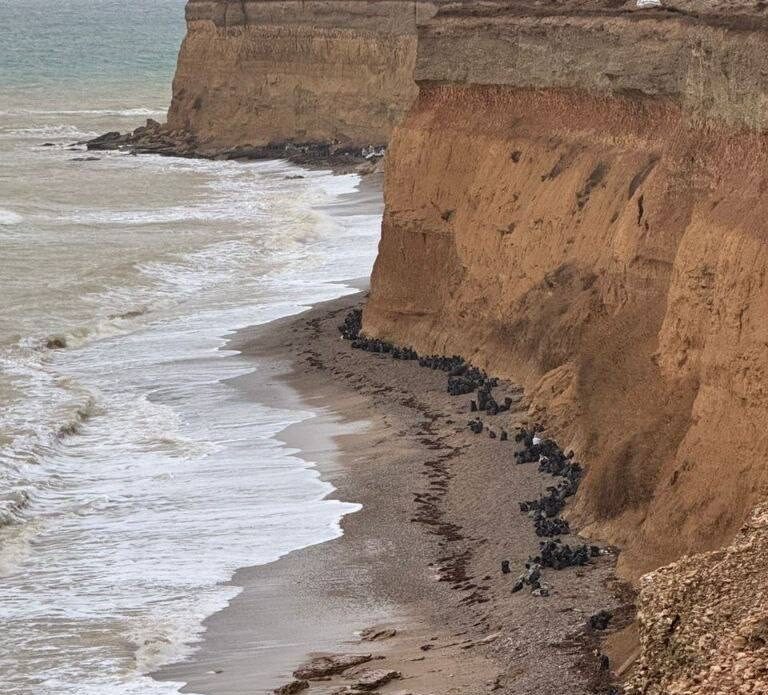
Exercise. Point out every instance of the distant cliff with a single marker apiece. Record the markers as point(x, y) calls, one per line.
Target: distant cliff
point(255, 72)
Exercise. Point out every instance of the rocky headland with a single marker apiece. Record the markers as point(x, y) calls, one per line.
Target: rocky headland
point(313, 81)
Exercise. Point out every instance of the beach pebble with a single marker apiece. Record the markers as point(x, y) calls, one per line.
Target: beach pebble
point(374, 678)
point(329, 665)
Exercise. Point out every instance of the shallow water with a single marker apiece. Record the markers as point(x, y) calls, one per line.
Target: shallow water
point(133, 478)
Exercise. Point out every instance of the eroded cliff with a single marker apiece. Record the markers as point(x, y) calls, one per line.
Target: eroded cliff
point(576, 199)
point(254, 72)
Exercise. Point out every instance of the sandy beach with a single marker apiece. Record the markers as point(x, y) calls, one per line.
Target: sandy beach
point(422, 557)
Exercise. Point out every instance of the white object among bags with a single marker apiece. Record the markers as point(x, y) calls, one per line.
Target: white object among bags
point(536, 441)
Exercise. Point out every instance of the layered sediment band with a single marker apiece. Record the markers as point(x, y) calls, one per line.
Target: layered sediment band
point(313, 71)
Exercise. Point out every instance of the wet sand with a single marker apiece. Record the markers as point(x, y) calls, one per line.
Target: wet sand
point(439, 513)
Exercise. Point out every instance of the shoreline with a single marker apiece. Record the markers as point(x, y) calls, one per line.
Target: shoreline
point(155, 138)
point(435, 582)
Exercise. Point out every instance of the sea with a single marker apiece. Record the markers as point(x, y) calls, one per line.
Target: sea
point(134, 478)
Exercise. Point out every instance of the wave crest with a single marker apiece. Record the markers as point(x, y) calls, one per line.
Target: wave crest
point(8, 217)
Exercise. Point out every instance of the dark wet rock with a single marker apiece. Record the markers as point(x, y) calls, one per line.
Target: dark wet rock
point(322, 666)
point(56, 343)
point(48, 144)
point(601, 620)
point(108, 141)
point(292, 688)
point(505, 567)
point(503, 436)
point(492, 434)
point(473, 406)
point(85, 159)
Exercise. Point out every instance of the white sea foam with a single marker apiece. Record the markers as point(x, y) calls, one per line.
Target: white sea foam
point(166, 480)
point(51, 131)
point(124, 113)
point(8, 217)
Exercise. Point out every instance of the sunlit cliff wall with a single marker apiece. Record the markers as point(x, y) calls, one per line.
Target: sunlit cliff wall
point(254, 72)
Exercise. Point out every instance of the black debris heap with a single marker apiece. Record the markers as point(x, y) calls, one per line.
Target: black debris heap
point(531, 577)
point(353, 324)
point(558, 555)
point(463, 378)
point(601, 620)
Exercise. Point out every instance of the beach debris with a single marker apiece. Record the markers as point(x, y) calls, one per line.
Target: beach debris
point(463, 378)
point(330, 665)
point(353, 324)
point(373, 634)
point(646, 4)
point(490, 638)
point(476, 426)
point(547, 528)
point(551, 503)
point(531, 577)
point(459, 385)
point(370, 679)
point(558, 555)
point(601, 620)
point(293, 687)
point(505, 567)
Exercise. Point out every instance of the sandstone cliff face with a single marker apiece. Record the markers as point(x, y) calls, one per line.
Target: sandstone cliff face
point(577, 200)
point(254, 72)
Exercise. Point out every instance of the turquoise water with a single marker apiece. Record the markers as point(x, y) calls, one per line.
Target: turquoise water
point(89, 45)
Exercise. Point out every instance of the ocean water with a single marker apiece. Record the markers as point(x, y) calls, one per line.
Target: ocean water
point(134, 479)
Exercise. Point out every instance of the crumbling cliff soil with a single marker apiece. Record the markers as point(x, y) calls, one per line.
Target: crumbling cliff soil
point(704, 620)
point(577, 200)
point(609, 248)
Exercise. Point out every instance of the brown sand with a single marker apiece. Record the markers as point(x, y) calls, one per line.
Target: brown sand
point(428, 568)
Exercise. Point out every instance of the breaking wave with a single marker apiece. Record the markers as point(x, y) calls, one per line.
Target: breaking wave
point(8, 217)
point(119, 113)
